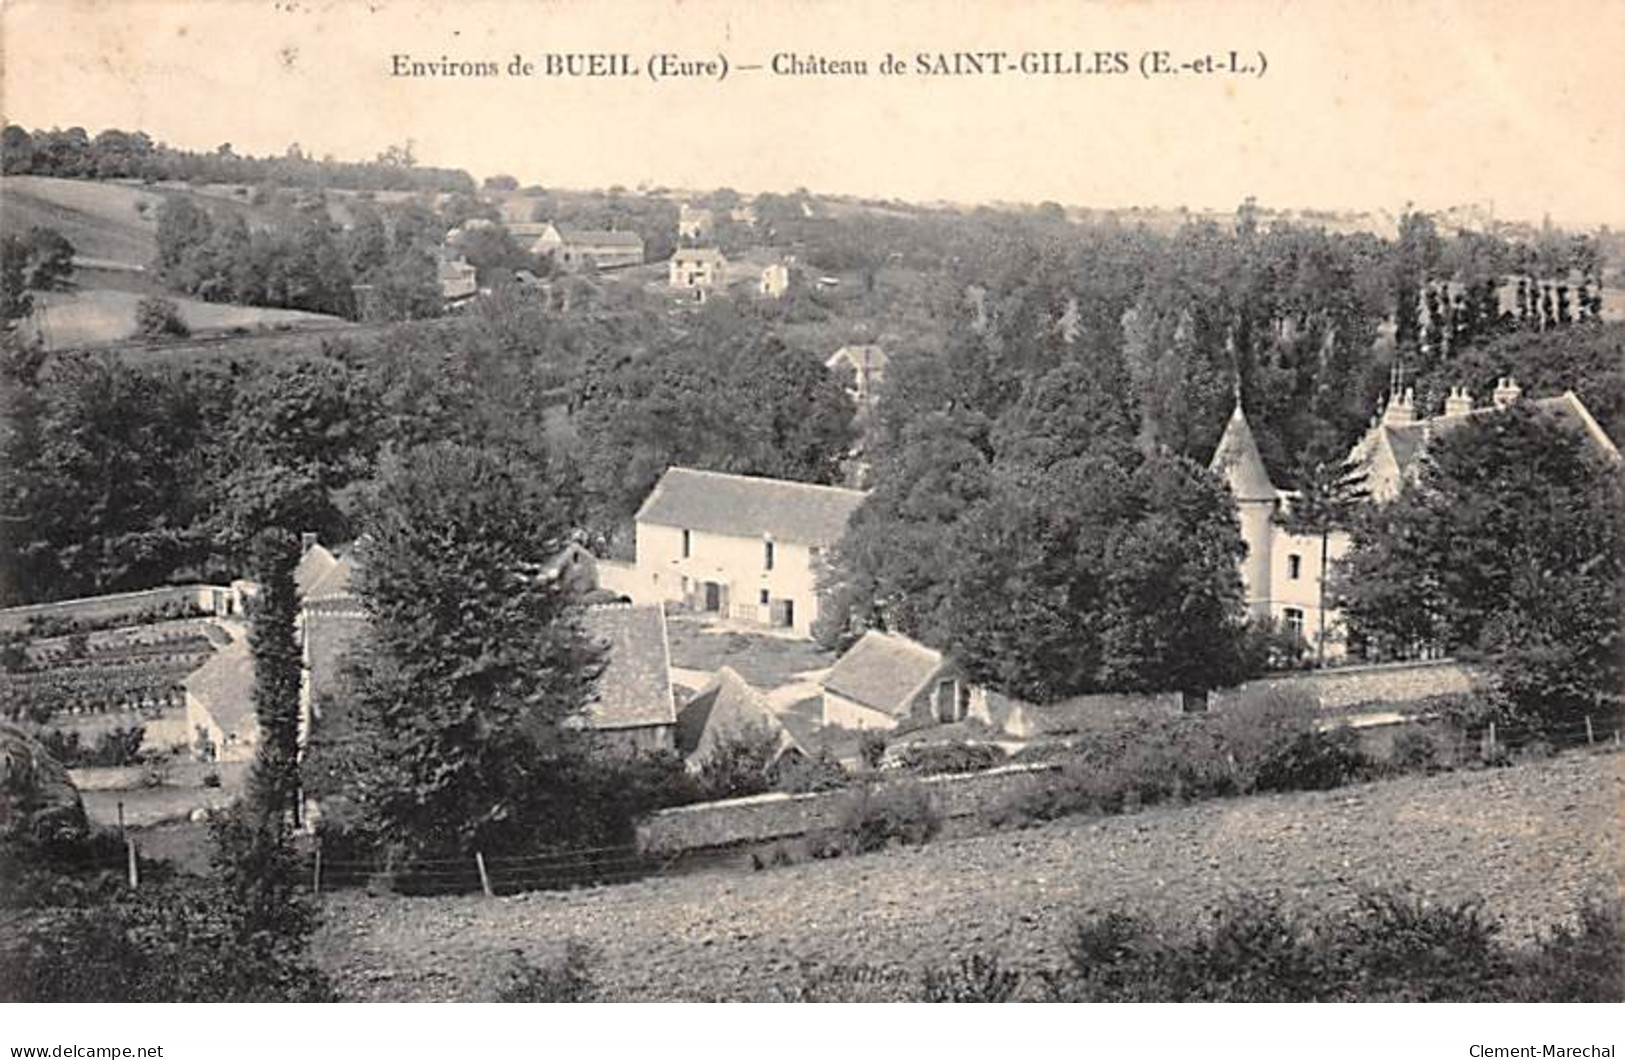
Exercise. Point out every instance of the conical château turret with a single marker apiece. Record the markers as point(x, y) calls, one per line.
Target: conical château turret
point(1238, 460)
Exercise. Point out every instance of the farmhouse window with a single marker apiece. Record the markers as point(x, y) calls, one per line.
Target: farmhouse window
point(1294, 566)
point(767, 555)
point(687, 545)
point(1294, 620)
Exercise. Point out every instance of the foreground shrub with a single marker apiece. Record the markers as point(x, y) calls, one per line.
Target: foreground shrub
point(160, 318)
point(800, 774)
point(1313, 761)
point(875, 818)
point(978, 979)
point(1393, 947)
point(564, 980)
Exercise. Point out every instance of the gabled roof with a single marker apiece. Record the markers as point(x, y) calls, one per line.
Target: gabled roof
point(1407, 441)
point(742, 506)
point(635, 688)
point(698, 254)
point(313, 566)
point(336, 582)
point(726, 707)
point(601, 238)
point(1238, 460)
point(863, 359)
point(884, 672)
point(224, 687)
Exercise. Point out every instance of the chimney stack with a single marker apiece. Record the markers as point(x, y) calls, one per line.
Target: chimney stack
point(1459, 403)
point(1506, 392)
point(1401, 408)
point(307, 541)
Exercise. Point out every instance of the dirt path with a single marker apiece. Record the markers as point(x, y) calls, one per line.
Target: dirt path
point(1531, 841)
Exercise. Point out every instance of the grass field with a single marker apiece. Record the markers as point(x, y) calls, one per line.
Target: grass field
point(111, 222)
point(1531, 841)
point(88, 317)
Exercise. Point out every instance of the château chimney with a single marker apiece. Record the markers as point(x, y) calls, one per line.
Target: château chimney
point(307, 541)
point(1459, 403)
point(1401, 408)
point(1506, 392)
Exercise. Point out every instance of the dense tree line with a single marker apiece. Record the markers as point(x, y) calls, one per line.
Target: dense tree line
point(115, 154)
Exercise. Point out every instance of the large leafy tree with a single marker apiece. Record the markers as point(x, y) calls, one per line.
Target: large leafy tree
point(474, 660)
point(275, 779)
point(1508, 544)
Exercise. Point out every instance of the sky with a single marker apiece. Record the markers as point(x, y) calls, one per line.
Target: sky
point(1364, 105)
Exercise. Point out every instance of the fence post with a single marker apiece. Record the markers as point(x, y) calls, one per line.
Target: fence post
point(316, 872)
point(1591, 736)
point(1489, 741)
point(485, 880)
point(134, 864)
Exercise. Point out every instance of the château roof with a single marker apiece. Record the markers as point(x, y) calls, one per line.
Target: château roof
point(1238, 460)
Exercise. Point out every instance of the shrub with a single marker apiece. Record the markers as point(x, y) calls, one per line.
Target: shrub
point(955, 757)
point(800, 774)
point(1415, 751)
point(160, 318)
point(740, 764)
point(1313, 761)
point(901, 813)
point(872, 747)
point(977, 979)
point(564, 980)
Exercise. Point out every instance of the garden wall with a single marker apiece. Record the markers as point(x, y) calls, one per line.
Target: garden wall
point(761, 818)
point(1344, 687)
point(210, 598)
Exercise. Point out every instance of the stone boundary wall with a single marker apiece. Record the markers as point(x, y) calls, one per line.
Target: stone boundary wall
point(776, 815)
point(1340, 688)
point(112, 605)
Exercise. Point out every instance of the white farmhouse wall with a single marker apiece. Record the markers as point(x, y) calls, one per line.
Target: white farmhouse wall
point(737, 565)
point(848, 714)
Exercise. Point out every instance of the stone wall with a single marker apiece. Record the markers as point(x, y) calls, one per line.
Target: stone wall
point(113, 605)
point(1346, 687)
point(761, 818)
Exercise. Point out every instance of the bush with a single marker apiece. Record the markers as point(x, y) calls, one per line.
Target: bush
point(876, 818)
point(1415, 751)
point(956, 757)
point(564, 980)
point(977, 979)
point(1394, 946)
point(799, 774)
point(1314, 761)
point(160, 318)
point(872, 747)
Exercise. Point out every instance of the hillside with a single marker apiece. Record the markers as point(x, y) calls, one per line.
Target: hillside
point(112, 223)
point(1531, 841)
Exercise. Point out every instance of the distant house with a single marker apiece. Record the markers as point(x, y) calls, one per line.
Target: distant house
point(775, 281)
point(220, 705)
point(725, 709)
point(634, 709)
point(694, 222)
point(886, 679)
point(698, 270)
point(458, 280)
point(576, 249)
point(736, 546)
point(863, 368)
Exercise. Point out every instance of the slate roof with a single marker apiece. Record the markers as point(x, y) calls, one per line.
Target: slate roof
point(725, 707)
point(1406, 441)
point(698, 254)
point(224, 687)
point(313, 566)
point(635, 689)
point(336, 582)
point(884, 671)
point(583, 237)
point(1238, 460)
point(743, 506)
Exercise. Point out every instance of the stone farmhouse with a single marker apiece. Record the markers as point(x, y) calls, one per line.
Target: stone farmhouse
point(697, 271)
point(886, 680)
point(744, 548)
point(728, 708)
point(577, 250)
point(1280, 574)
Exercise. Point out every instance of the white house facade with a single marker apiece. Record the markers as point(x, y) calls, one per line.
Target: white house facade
point(743, 548)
